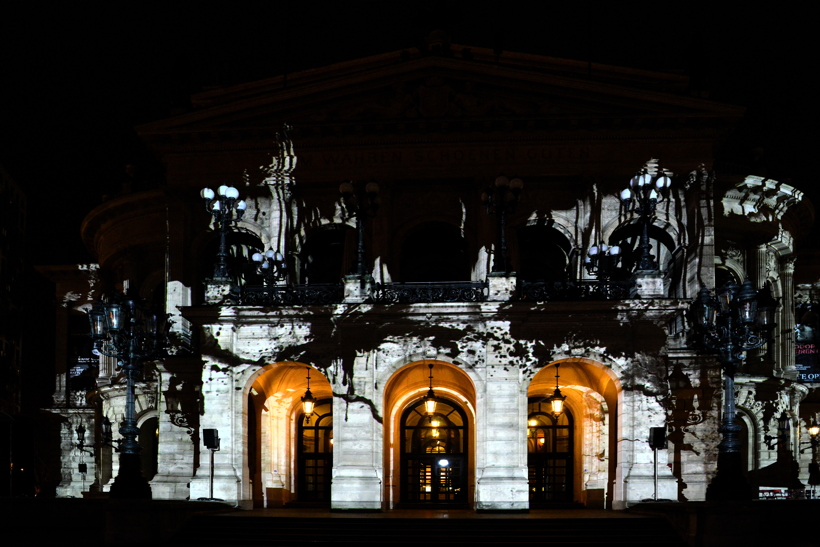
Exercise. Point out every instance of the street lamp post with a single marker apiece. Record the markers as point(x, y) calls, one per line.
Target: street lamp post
point(360, 201)
point(642, 196)
point(814, 468)
point(728, 324)
point(124, 327)
point(501, 199)
point(226, 208)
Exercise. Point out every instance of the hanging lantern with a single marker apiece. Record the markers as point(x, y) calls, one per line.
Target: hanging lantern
point(557, 399)
point(430, 400)
point(308, 401)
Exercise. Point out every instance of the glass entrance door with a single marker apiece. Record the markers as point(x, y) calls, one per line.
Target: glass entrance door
point(550, 455)
point(315, 454)
point(434, 454)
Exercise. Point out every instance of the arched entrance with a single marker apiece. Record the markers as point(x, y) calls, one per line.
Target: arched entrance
point(314, 453)
point(430, 460)
point(289, 455)
point(550, 454)
point(576, 461)
point(434, 454)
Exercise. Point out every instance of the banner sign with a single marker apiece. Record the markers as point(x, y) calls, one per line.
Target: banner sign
point(806, 342)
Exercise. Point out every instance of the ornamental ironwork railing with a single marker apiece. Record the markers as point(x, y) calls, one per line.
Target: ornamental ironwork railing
point(290, 295)
point(418, 293)
point(557, 291)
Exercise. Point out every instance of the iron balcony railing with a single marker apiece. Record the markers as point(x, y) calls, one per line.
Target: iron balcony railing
point(290, 295)
point(568, 291)
point(418, 293)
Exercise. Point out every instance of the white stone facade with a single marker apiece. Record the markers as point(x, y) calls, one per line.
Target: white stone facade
point(239, 366)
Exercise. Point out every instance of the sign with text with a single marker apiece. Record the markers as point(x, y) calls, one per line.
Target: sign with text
point(806, 344)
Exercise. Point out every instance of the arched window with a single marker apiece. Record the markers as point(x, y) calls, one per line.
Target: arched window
point(241, 247)
point(628, 238)
point(543, 254)
point(746, 439)
point(723, 275)
point(434, 251)
point(434, 454)
point(327, 254)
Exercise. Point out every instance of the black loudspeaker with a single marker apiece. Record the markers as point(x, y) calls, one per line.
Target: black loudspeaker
point(211, 438)
point(657, 438)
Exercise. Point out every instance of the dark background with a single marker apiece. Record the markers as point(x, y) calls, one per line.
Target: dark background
point(76, 80)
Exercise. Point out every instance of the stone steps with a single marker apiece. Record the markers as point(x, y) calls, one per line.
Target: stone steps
point(284, 531)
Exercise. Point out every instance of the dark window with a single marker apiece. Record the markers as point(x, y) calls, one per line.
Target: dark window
point(327, 254)
point(435, 252)
point(241, 246)
point(628, 238)
point(543, 254)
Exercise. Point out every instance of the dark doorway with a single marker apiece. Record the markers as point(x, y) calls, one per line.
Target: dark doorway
point(148, 447)
point(327, 254)
point(434, 252)
point(315, 454)
point(241, 246)
point(434, 455)
point(549, 455)
point(543, 254)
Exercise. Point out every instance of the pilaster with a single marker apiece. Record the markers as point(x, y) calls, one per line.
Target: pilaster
point(502, 287)
point(357, 288)
point(635, 475)
point(218, 402)
point(357, 462)
point(178, 420)
point(73, 482)
point(501, 431)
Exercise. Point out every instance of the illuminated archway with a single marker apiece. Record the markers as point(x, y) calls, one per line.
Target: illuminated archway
point(275, 430)
point(592, 392)
point(404, 392)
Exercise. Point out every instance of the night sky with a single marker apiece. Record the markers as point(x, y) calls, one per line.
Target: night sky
point(76, 80)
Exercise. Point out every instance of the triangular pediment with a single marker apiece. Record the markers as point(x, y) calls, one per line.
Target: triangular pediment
point(404, 86)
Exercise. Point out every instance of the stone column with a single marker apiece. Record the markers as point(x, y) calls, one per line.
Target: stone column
point(501, 438)
point(758, 274)
point(357, 449)
point(786, 322)
point(275, 444)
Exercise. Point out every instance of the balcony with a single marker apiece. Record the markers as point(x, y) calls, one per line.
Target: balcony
point(573, 291)
point(421, 293)
point(417, 293)
point(289, 295)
